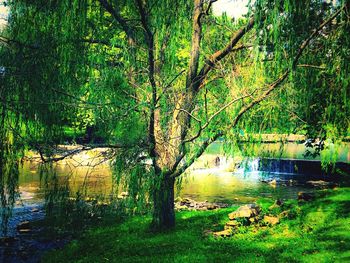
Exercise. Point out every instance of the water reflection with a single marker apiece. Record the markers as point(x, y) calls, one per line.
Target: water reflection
point(227, 180)
point(242, 186)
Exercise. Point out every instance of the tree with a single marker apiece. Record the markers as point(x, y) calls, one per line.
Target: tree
point(165, 86)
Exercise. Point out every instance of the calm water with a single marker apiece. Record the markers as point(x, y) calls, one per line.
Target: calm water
point(208, 179)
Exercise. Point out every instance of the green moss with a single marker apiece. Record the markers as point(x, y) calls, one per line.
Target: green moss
point(319, 232)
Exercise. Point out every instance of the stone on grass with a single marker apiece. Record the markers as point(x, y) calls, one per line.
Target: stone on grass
point(245, 211)
point(194, 205)
point(224, 233)
point(212, 206)
point(271, 220)
point(232, 223)
point(253, 220)
point(180, 207)
point(178, 199)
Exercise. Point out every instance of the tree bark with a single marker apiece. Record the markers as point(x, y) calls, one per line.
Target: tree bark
point(163, 204)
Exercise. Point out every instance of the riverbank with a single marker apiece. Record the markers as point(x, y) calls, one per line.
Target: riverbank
point(316, 231)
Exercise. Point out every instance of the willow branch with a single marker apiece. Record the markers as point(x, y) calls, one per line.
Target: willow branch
point(311, 66)
point(216, 114)
point(167, 86)
point(151, 75)
point(271, 87)
point(121, 21)
point(316, 31)
point(9, 41)
point(212, 61)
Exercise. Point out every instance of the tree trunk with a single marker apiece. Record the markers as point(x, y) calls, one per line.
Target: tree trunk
point(163, 210)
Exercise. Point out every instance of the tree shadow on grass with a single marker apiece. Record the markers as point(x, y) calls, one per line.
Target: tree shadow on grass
point(290, 241)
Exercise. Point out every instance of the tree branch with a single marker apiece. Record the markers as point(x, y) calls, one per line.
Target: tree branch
point(272, 87)
point(316, 31)
point(151, 75)
point(101, 42)
point(219, 55)
point(311, 66)
point(121, 21)
point(195, 45)
point(9, 41)
point(209, 6)
point(216, 114)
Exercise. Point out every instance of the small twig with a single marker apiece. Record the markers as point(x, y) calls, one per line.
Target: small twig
point(311, 66)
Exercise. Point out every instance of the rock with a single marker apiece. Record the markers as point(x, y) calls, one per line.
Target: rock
point(212, 206)
point(245, 211)
point(273, 183)
point(292, 182)
point(23, 225)
point(221, 205)
point(224, 233)
point(187, 200)
point(320, 184)
point(178, 199)
point(232, 224)
point(253, 219)
point(181, 207)
point(302, 196)
point(34, 210)
point(271, 220)
point(193, 205)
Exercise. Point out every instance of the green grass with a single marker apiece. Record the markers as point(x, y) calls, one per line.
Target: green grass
point(317, 231)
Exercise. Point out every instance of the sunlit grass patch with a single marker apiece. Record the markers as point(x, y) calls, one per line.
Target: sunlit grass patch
point(318, 232)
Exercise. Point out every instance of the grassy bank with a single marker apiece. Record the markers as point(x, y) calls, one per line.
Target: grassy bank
point(316, 231)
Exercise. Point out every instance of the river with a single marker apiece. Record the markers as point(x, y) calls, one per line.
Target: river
point(213, 177)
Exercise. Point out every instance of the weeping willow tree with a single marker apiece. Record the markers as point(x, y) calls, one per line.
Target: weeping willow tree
point(162, 80)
